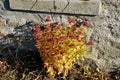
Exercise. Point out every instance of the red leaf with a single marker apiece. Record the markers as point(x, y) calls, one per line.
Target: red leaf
point(37, 28)
point(90, 43)
point(75, 28)
point(71, 20)
point(71, 45)
point(59, 26)
point(85, 23)
point(48, 19)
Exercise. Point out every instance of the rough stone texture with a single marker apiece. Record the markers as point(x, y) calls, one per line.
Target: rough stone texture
point(104, 31)
point(106, 36)
point(91, 7)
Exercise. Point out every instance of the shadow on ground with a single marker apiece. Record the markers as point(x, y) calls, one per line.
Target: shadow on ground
point(20, 47)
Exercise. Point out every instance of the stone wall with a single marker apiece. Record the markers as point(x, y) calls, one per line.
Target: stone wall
point(104, 31)
point(106, 36)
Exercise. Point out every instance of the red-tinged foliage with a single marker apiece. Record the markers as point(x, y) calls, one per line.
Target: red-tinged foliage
point(48, 19)
point(60, 46)
point(75, 28)
point(90, 43)
point(85, 23)
point(71, 20)
point(59, 26)
point(37, 28)
point(71, 45)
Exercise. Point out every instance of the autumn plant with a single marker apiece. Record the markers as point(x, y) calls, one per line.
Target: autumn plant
point(60, 46)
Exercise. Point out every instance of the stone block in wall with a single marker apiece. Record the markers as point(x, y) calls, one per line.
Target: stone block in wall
point(90, 7)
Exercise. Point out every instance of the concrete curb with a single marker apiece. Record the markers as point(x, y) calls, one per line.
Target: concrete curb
point(91, 7)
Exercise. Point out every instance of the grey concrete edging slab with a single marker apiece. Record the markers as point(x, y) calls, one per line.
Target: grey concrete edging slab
point(91, 7)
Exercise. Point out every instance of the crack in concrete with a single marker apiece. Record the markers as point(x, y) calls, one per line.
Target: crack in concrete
point(66, 6)
point(55, 7)
point(33, 4)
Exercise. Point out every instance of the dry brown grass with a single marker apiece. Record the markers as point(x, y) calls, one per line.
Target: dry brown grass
point(32, 69)
point(74, 74)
